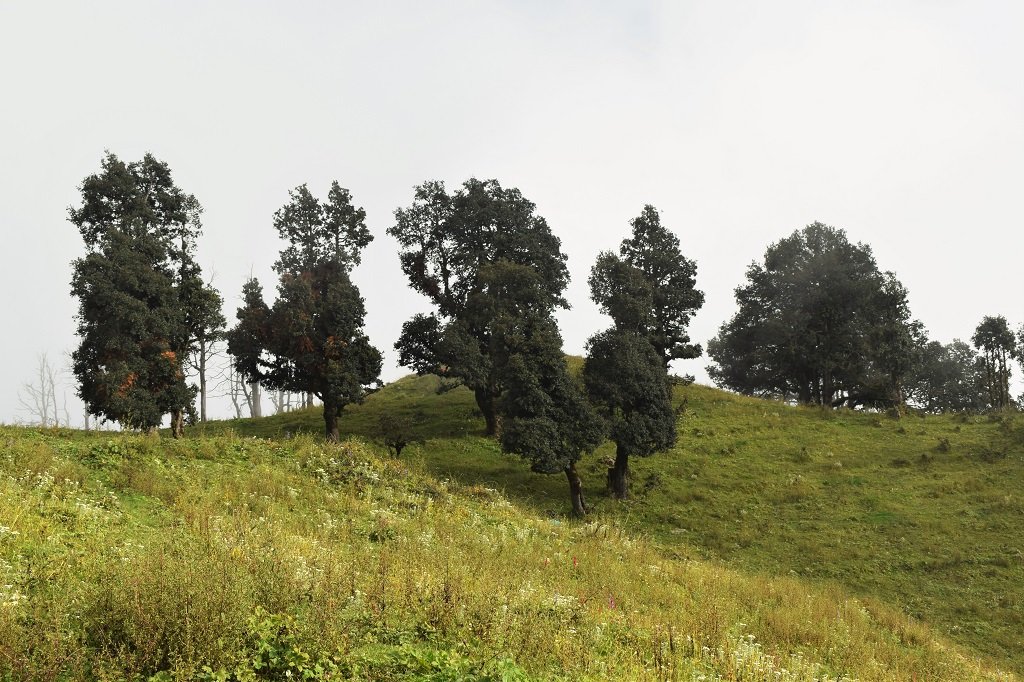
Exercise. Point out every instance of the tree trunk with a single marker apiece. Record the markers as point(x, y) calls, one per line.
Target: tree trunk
point(331, 412)
point(202, 381)
point(618, 475)
point(485, 401)
point(178, 423)
point(255, 408)
point(579, 505)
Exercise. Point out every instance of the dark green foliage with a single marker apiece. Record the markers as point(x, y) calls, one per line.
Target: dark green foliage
point(138, 308)
point(947, 379)
point(649, 292)
point(626, 379)
point(650, 284)
point(998, 344)
point(451, 245)
point(319, 232)
point(819, 322)
point(311, 340)
point(396, 431)
point(246, 340)
point(545, 416)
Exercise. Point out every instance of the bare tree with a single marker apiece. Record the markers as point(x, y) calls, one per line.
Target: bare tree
point(244, 396)
point(39, 396)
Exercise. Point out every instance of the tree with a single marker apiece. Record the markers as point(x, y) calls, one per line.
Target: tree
point(546, 417)
point(895, 346)
point(205, 323)
point(948, 378)
point(396, 431)
point(626, 378)
point(311, 339)
point(819, 322)
point(139, 230)
point(247, 341)
point(449, 243)
point(660, 276)
point(998, 344)
point(648, 291)
point(39, 397)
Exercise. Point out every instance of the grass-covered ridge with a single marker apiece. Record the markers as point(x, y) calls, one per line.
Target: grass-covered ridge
point(226, 557)
point(924, 514)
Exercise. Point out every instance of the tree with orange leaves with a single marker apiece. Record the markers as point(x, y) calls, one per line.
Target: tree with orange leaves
point(138, 228)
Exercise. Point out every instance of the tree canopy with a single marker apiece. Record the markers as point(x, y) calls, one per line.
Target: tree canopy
point(650, 284)
point(452, 245)
point(819, 322)
point(948, 378)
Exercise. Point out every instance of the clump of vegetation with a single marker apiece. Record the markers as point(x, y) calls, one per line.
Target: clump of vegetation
point(396, 431)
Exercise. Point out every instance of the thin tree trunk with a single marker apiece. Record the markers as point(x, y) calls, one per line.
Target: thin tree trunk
point(618, 475)
point(255, 408)
point(202, 381)
point(579, 505)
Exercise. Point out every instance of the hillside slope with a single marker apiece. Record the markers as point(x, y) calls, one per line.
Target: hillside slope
point(925, 514)
point(226, 557)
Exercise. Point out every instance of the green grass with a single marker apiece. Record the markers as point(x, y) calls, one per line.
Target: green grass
point(773, 543)
point(924, 514)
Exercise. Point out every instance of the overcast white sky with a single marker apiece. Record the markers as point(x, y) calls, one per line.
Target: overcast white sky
point(900, 121)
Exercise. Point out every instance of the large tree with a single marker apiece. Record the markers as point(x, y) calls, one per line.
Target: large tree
point(998, 344)
point(651, 264)
point(311, 340)
point(449, 242)
point(140, 232)
point(819, 322)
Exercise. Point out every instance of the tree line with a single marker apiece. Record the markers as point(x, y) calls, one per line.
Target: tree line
point(817, 321)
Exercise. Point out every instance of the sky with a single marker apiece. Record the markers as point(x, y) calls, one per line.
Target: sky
point(901, 122)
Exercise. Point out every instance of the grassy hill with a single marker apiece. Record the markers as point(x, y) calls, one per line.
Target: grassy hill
point(923, 514)
point(773, 544)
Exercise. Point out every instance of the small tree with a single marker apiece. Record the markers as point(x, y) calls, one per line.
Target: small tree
point(396, 431)
point(948, 378)
point(205, 324)
point(38, 397)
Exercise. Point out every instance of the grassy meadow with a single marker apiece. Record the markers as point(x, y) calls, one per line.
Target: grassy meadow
point(774, 543)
